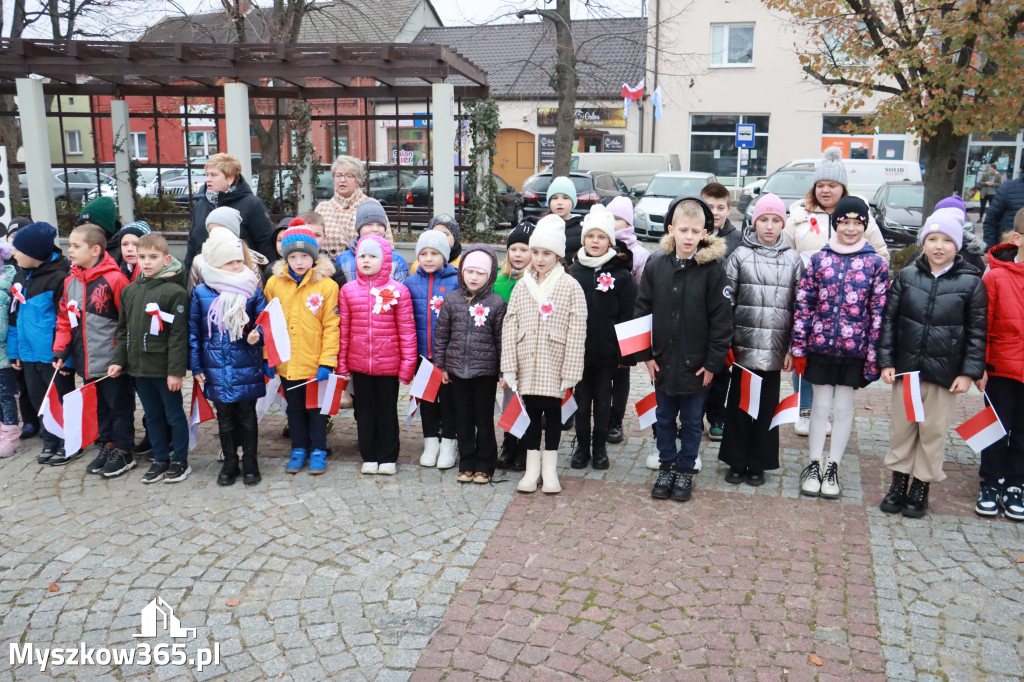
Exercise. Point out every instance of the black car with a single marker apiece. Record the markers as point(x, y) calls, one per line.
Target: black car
point(898, 210)
point(592, 187)
point(420, 195)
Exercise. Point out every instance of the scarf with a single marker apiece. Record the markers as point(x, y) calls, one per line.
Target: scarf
point(594, 262)
point(542, 292)
point(214, 197)
point(833, 243)
point(228, 310)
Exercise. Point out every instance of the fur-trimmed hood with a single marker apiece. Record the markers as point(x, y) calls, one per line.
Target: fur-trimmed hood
point(323, 268)
point(709, 250)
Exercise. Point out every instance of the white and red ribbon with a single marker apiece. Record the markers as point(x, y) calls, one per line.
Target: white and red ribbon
point(435, 303)
point(73, 313)
point(18, 297)
point(157, 318)
point(546, 309)
point(479, 314)
point(605, 281)
point(386, 297)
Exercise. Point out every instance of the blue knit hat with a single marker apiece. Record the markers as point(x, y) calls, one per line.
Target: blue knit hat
point(36, 240)
point(562, 185)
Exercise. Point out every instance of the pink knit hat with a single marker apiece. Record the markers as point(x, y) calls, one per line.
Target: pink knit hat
point(769, 204)
point(622, 207)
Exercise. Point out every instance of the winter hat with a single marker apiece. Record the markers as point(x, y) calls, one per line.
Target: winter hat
point(478, 260)
point(227, 217)
point(850, 207)
point(769, 204)
point(562, 185)
point(549, 234)
point(622, 207)
point(100, 211)
point(948, 221)
point(520, 234)
point(431, 239)
point(17, 222)
point(831, 167)
point(368, 246)
point(222, 246)
point(299, 239)
point(36, 240)
point(599, 218)
point(954, 201)
point(138, 228)
point(370, 212)
point(447, 221)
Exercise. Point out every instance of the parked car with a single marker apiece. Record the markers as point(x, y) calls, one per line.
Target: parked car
point(420, 195)
point(898, 210)
point(634, 169)
point(592, 187)
point(386, 186)
point(789, 184)
point(649, 213)
point(73, 184)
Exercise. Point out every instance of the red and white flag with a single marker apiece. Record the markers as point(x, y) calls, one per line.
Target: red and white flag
point(630, 95)
point(275, 333)
point(330, 394)
point(414, 407)
point(635, 335)
point(982, 430)
point(52, 412)
point(750, 392)
point(201, 412)
point(81, 426)
point(273, 396)
point(427, 382)
point(912, 401)
point(788, 411)
point(514, 419)
point(646, 410)
point(568, 405)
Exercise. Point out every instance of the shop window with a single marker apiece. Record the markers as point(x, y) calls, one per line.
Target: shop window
point(713, 145)
point(732, 45)
point(408, 146)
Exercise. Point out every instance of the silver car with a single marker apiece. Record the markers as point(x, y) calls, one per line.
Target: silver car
point(649, 213)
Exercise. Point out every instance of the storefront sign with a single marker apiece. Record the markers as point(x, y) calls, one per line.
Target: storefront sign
point(607, 117)
point(614, 143)
point(406, 123)
point(545, 150)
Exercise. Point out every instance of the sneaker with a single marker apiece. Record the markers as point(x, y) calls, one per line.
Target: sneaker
point(119, 462)
point(698, 464)
point(60, 458)
point(830, 481)
point(178, 471)
point(481, 477)
point(803, 423)
point(653, 460)
point(296, 461)
point(1012, 502)
point(96, 466)
point(664, 483)
point(143, 447)
point(369, 468)
point(716, 431)
point(682, 487)
point(317, 462)
point(387, 469)
point(988, 501)
point(44, 456)
point(156, 472)
point(465, 477)
point(810, 479)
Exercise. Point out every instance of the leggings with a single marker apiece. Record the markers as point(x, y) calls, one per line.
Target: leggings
point(547, 412)
point(9, 396)
point(827, 398)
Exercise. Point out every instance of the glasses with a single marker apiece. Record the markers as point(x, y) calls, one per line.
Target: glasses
point(344, 176)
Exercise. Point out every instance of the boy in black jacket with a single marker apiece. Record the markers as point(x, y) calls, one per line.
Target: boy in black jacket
point(686, 291)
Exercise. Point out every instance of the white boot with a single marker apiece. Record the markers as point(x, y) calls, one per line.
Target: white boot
point(10, 441)
point(446, 460)
point(549, 469)
point(431, 446)
point(531, 478)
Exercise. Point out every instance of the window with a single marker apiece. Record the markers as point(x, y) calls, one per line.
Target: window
point(713, 145)
point(338, 138)
point(73, 141)
point(732, 45)
point(137, 146)
point(202, 144)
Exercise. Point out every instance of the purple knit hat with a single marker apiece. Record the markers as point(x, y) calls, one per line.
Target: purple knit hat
point(948, 221)
point(954, 201)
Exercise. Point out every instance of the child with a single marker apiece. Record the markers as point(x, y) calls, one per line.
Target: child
point(10, 434)
point(433, 279)
point(605, 275)
point(36, 291)
point(468, 351)
point(763, 274)
point(378, 349)
point(29, 417)
point(128, 238)
point(835, 336)
point(1004, 378)
point(302, 281)
point(371, 219)
point(561, 198)
point(157, 361)
point(934, 323)
point(231, 219)
point(685, 289)
point(86, 327)
point(542, 349)
point(449, 227)
point(315, 222)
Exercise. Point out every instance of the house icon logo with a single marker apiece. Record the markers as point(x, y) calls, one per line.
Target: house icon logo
point(158, 617)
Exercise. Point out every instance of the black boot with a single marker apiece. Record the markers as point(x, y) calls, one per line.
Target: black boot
point(896, 498)
point(581, 453)
point(507, 455)
point(568, 426)
point(600, 452)
point(614, 429)
point(229, 470)
point(519, 459)
point(917, 499)
point(250, 443)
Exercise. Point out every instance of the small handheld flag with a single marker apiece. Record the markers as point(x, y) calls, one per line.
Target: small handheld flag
point(275, 333)
point(750, 391)
point(982, 430)
point(427, 382)
point(912, 401)
point(646, 410)
point(201, 412)
point(514, 419)
point(634, 335)
point(788, 411)
point(568, 405)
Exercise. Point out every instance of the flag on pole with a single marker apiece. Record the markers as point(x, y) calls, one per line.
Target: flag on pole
point(631, 94)
point(275, 333)
point(330, 394)
point(787, 412)
point(750, 392)
point(568, 405)
point(272, 397)
point(81, 426)
point(427, 382)
point(414, 407)
point(646, 410)
point(982, 430)
point(201, 412)
point(912, 401)
point(635, 335)
point(52, 412)
point(514, 419)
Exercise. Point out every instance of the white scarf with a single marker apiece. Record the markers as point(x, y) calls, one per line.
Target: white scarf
point(542, 292)
point(228, 309)
point(594, 261)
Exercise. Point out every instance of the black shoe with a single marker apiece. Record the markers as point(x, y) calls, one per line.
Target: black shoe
point(227, 476)
point(682, 487)
point(44, 456)
point(988, 501)
point(60, 458)
point(664, 484)
point(600, 454)
point(96, 466)
point(755, 478)
point(896, 498)
point(156, 472)
point(1012, 502)
point(916, 500)
point(251, 479)
point(735, 476)
point(143, 447)
point(29, 431)
point(119, 462)
point(286, 432)
point(519, 460)
point(614, 433)
point(178, 471)
point(507, 454)
point(571, 424)
point(580, 455)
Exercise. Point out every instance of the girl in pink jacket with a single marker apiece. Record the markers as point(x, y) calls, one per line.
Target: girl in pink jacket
point(378, 349)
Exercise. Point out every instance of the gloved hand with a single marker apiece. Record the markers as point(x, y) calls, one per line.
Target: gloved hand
point(730, 358)
point(510, 379)
point(799, 365)
point(268, 371)
point(323, 373)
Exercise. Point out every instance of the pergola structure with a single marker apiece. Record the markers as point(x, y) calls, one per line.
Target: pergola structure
point(236, 73)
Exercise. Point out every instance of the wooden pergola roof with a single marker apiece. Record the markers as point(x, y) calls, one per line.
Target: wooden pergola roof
point(197, 70)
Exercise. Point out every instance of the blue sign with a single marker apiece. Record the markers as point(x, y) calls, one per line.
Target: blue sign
point(745, 136)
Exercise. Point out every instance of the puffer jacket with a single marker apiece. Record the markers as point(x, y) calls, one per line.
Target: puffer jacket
point(611, 295)
point(935, 325)
point(808, 232)
point(378, 332)
point(763, 281)
point(468, 339)
point(428, 291)
point(1002, 209)
point(640, 254)
point(233, 369)
point(839, 307)
point(32, 324)
point(346, 264)
point(1004, 282)
point(257, 230)
point(93, 297)
point(311, 311)
point(6, 279)
point(733, 238)
point(160, 355)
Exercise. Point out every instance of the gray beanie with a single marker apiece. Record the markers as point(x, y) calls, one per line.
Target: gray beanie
point(370, 212)
point(227, 217)
point(432, 239)
point(369, 246)
point(831, 167)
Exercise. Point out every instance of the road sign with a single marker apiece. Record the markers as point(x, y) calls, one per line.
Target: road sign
point(745, 136)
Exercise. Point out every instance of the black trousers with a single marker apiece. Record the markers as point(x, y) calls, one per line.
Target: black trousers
point(29, 412)
point(1005, 458)
point(620, 395)
point(236, 424)
point(37, 378)
point(376, 410)
point(439, 417)
point(474, 409)
point(594, 395)
point(714, 405)
point(307, 426)
point(545, 414)
point(748, 443)
point(115, 411)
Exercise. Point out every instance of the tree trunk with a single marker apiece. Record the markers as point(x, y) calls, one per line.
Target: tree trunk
point(940, 152)
point(564, 83)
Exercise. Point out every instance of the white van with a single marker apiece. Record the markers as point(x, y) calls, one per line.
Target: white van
point(865, 176)
point(635, 170)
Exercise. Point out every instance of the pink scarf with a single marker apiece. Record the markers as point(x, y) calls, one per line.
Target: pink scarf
point(833, 243)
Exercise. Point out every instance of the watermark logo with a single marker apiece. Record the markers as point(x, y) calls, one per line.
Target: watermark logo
point(158, 614)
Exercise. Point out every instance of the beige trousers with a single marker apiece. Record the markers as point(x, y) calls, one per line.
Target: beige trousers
point(918, 448)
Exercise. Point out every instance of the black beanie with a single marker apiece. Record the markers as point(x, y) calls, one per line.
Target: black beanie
point(850, 207)
point(520, 234)
point(36, 240)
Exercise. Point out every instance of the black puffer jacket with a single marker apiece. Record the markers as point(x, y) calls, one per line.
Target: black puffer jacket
point(1001, 210)
point(610, 291)
point(257, 230)
point(935, 325)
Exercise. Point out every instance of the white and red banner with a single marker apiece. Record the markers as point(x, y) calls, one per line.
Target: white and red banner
point(646, 410)
point(81, 426)
point(275, 333)
point(635, 335)
point(750, 391)
point(631, 94)
point(427, 382)
point(273, 396)
point(414, 407)
point(788, 411)
point(912, 401)
point(52, 412)
point(201, 412)
point(330, 393)
point(982, 430)
point(514, 419)
point(568, 405)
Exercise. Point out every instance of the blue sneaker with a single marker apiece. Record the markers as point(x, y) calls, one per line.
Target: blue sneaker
point(318, 462)
point(297, 461)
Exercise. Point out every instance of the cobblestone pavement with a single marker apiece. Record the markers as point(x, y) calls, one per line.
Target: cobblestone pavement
point(345, 576)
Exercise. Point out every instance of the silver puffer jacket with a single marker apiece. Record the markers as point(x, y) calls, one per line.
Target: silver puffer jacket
point(764, 281)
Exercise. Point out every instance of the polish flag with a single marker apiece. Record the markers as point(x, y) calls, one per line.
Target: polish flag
point(568, 405)
point(787, 412)
point(427, 382)
point(912, 401)
point(201, 412)
point(330, 394)
point(275, 333)
point(52, 412)
point(633, 92)
point(272, 397)
point(635, 335)
point(982, 430)
point(646, 410)
point(514, 419)
point(414, 407)
point(750, 392)
point(81, 426)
